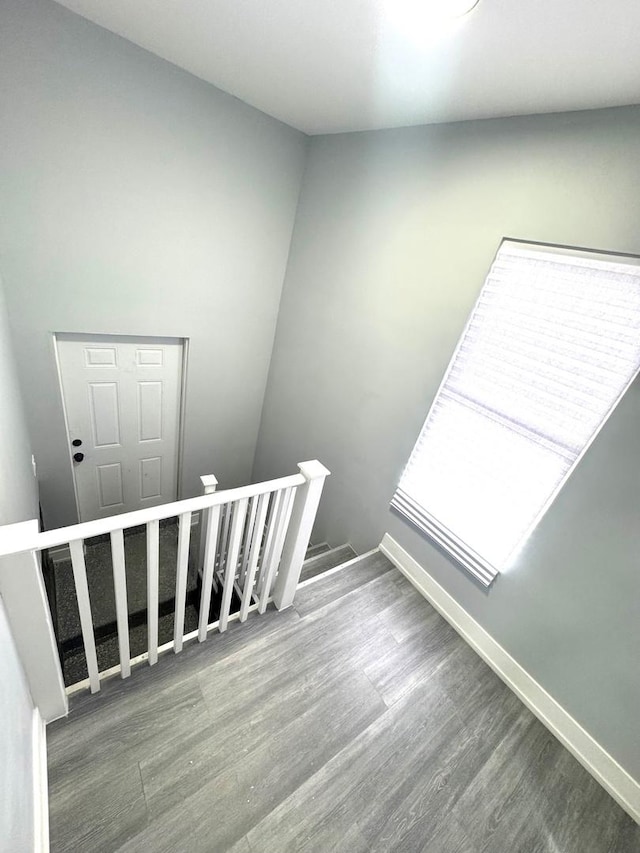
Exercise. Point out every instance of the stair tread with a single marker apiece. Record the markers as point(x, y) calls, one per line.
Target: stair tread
point(314, 550)
point(317, 565)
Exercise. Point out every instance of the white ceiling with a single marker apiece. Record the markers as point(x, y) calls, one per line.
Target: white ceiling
point(340, 65)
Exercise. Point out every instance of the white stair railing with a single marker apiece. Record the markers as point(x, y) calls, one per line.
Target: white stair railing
point(253, 540)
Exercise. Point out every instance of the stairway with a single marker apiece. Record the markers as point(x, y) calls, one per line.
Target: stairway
point(320, 559)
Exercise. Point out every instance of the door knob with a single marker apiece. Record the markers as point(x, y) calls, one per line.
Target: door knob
point(78, 457)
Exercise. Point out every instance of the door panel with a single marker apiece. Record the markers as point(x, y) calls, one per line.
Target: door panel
point(110, 492)
point(150, 411)
point(122, 402)
point(104, 413)
point(151, 477)
point(100, 356)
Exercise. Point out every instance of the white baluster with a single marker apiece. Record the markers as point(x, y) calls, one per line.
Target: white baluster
point(224, 539)
point(267, 550)
point(84, 607)
point(273, 558)
point(297, 542)
point(237, 525)
point(184, 533)
point(254, 554)
point(211, 534)
point(153, 547)
point(253, 507)
point(120, 588)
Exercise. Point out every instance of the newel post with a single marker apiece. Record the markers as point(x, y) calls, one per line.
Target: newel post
point(25, 602)
point(299, 533)
point(209, 485)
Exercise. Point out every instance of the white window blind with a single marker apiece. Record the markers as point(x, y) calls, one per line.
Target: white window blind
point(550, 348)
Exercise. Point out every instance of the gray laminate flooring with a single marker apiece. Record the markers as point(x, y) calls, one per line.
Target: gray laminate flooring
point(356, 721)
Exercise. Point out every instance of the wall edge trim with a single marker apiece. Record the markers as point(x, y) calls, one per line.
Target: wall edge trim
point(40, 785)
point(323, 575)
point(624, 789)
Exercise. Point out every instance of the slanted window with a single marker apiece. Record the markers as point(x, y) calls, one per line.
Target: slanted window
point(550, 348)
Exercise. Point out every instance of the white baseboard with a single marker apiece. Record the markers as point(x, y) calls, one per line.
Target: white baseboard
point(40, 786)
point(596, 760)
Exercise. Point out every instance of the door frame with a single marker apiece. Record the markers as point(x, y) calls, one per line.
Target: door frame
point(184, 343)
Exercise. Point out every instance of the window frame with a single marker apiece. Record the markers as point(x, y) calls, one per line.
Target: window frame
point(420, 516)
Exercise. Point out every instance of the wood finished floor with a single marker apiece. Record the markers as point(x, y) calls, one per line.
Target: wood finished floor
point(356, 721)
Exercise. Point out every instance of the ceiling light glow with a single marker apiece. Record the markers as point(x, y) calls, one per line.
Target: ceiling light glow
point(426, 13)
point(456, 8)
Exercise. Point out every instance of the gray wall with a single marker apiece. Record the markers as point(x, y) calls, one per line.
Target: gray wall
point(394, 235)
point(18, 491)
point(138, 200)
point(17, 503)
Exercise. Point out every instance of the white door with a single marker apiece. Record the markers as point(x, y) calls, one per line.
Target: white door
point(122, 404)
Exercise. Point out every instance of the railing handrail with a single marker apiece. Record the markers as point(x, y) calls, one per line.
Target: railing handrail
point(85, 530)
